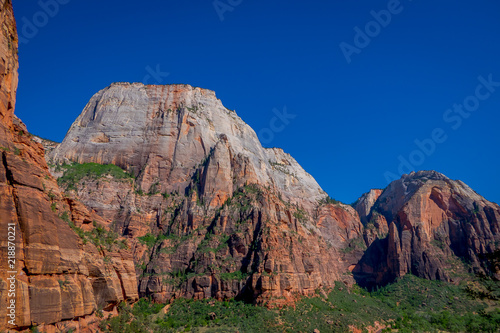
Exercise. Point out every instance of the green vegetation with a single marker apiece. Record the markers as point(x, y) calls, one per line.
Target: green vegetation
point(355, 244)
point(98, 236)
point(243, 200)
point(212, 243)
point(300, 215)
point(136, 319)
point(281, 168)
point(329, 200)
point(238, 275)
point(409, 305)
point(178, 277)
point(149, 240)
point(74, 173)
point(63, 283)
point(154, 188)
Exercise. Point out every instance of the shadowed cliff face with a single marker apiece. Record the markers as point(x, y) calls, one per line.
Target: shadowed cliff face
point(430, 220)
point(58, 276)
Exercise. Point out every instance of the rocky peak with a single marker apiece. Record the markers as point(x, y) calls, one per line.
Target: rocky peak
point(163, 134)
point(429, 217)
point(365, 203)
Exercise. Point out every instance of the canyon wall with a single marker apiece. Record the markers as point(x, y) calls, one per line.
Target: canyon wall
point(211, 212)
point(58, 276)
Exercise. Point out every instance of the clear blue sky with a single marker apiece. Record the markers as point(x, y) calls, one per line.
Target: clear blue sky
point(353, 120)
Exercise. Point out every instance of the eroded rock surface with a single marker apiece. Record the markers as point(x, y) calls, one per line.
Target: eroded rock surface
point(431, 220)
point(162, 133)
point(58, 277)
point(211, 212)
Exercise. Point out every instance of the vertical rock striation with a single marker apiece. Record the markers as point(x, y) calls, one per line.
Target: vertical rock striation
point(58, 277)
point(431, 220)
point(212, 213)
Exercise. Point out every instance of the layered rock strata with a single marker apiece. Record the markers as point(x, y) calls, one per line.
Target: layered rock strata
point(57, 277)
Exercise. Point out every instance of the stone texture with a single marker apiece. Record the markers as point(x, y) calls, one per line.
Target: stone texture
point(432, 220)
point(162, 133)
point(226, 217)
point(211, 213)
point(365, 203)
point(55, 281)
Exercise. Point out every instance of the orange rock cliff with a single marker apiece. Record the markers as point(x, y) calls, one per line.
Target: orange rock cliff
point(58, 277)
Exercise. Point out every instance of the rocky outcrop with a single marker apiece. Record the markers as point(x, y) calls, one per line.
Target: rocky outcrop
point(211, 212)
point(8, 70)
point(162, 133)
point(59, 275)
point(200, 209)
point(254, 245)
point(365, 203)
point(431, 221)
point(47, 145)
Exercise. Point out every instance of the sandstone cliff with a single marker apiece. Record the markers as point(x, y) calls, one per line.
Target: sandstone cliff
point(58, 276)
point(162, 133)
point(211, 212)
point(191, 205)
point(430, 221)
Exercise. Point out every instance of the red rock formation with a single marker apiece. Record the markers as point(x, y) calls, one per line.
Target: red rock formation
point(58, 277)
point(432, 221)
point(211, 212)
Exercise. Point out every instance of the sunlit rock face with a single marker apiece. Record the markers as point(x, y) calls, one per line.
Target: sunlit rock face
point(224, 216)
point(211, 213)
point(162, 133)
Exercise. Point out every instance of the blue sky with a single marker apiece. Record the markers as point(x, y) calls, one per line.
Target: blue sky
point(355, 121)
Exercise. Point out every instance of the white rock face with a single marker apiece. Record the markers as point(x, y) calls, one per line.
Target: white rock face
point(163, 133)
point(365, 204)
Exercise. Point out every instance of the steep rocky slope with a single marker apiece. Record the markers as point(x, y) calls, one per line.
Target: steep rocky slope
point(58, 276)
point(162, 133)
point(211, 212)
point(431, 221)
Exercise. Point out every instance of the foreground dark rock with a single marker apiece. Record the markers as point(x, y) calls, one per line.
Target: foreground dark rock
point(58, 276)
